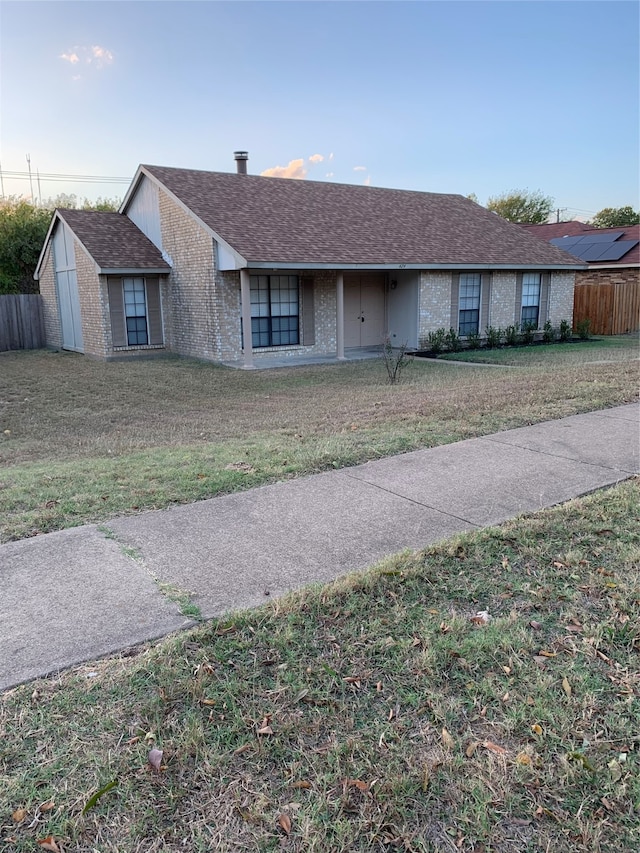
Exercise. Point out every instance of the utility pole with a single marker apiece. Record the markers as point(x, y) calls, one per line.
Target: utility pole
point(558, 212)
point(39, 189)
point(30, 178)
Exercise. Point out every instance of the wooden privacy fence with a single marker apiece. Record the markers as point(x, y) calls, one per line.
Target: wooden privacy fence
point(612, 307)
point(21, 323)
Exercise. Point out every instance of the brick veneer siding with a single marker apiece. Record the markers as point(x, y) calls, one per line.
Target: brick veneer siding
point(617, 275)
point(435, 301)
point(193, 304)
point(50, 310)
point(91, 304)
point(561, 286)
point(434, 304)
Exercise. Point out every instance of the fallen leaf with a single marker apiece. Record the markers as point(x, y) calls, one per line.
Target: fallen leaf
point(523, 758)
point(536, 729)
point(357, 783)
point(537, 626)
point(447, 740)
point(493, 747)
point(545, 654)
point(49, 843)
point(94, 799)
point(155, 758)
point(19, 815)
point(481, 618)
point(566, 686)
point(207, 701)
point(265, 730)
point(284, 822)
point(302, 784)
point(469, 751)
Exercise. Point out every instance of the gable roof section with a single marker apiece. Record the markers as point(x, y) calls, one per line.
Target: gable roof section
point(112, 241)
point(280, 222)
point(626, 241)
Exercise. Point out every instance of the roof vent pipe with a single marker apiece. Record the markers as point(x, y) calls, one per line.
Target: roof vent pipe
point(241, 161)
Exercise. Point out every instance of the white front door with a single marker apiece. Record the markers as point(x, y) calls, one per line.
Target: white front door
point(364, 314)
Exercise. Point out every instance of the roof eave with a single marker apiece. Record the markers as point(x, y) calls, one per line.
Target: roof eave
point(134, 270)
point(43, 252)
point(301, 265)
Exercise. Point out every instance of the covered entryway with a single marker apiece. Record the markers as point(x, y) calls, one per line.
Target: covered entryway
point(364, 309)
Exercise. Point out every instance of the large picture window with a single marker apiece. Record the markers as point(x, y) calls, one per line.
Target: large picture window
point(135, 310)
point(469, 303)
point(530, 300)
point(275, 310)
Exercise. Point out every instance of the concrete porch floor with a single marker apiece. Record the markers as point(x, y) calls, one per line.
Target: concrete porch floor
point(270, 360)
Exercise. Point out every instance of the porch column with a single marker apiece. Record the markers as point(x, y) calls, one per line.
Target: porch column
point(340, 316)
point(245, 295)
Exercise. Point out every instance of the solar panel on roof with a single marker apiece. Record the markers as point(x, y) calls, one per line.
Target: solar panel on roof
point(592, 237)
point(564, 242)
point(617, 250)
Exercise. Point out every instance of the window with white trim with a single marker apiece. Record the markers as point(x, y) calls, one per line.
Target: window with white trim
point(275, 310)
point(469, 303)
point(530, 312)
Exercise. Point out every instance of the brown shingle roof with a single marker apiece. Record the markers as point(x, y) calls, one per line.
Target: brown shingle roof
point(285, 221)
point(113, 241)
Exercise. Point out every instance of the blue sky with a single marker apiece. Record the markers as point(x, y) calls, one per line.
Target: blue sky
point(463, 97)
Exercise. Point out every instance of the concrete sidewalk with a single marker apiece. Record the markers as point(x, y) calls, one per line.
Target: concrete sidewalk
point(73, 596)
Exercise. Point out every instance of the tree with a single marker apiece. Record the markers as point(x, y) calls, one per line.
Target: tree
point(522, 206)
point(616, 217)
point(23, 228)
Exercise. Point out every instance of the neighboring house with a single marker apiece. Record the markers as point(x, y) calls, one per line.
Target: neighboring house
point(613, 259)
point(193, 258)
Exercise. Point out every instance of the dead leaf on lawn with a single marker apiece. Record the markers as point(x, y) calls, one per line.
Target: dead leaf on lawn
point(48, 806)
point(471, 748)
point(545, 654)
point(536, 729)
point(481, 618)
point(284, 822)
point(493, 747)
point(19, 815)
point(447, 740)
point(363, 787)
point(49, 843)
point(302, 783)
point(155, 758)
point(566, 686)
point(523, 758)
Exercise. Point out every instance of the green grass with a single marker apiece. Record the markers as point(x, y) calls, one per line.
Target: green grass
point(82, 441)
point(616, 348)
point(373, 713)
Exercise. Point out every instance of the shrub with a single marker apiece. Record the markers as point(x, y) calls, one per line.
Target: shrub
point(565, 330)
point(584, 329)
point(452, 340)
point(494, 337)
point(527, 333)
point(473, 341)
point(395, 360)
point(437, 340)
point(511, 336)
point(547, 333)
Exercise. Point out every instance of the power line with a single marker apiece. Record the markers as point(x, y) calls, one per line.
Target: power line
point(57, 176)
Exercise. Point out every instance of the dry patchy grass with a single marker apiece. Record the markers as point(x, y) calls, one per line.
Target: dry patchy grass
point(82, 440)
point(373, 714)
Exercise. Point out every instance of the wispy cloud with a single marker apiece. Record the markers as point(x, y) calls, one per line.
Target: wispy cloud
point(329, 174)
point(316, 158)
point(95, 55)
point(359, 168)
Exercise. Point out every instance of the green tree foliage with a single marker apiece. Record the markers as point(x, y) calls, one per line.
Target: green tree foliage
point(23, 228)
point(616, 217)
point(522, 206)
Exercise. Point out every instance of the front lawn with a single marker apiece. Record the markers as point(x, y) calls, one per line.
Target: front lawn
point(82, 440)
point(480, 696)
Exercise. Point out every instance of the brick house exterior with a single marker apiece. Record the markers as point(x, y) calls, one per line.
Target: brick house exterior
point(193, 257)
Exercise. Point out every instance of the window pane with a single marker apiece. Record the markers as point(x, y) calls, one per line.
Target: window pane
point(529, 316)
point(469, 322)
point(274, 310)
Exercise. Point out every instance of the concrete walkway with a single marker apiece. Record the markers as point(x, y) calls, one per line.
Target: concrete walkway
point(73, 596)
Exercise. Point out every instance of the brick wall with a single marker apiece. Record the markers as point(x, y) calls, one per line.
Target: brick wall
point(91, 304)
point(434, 301)
point(618, 275)
point(502, 306)
point(561, 297)
point(50, 312)
point(193, 305)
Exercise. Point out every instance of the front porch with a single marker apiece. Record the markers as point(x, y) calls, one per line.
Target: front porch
point(267, 361)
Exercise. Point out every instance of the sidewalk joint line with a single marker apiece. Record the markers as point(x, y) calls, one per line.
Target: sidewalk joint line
point(410, 500)
point(554, 455)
